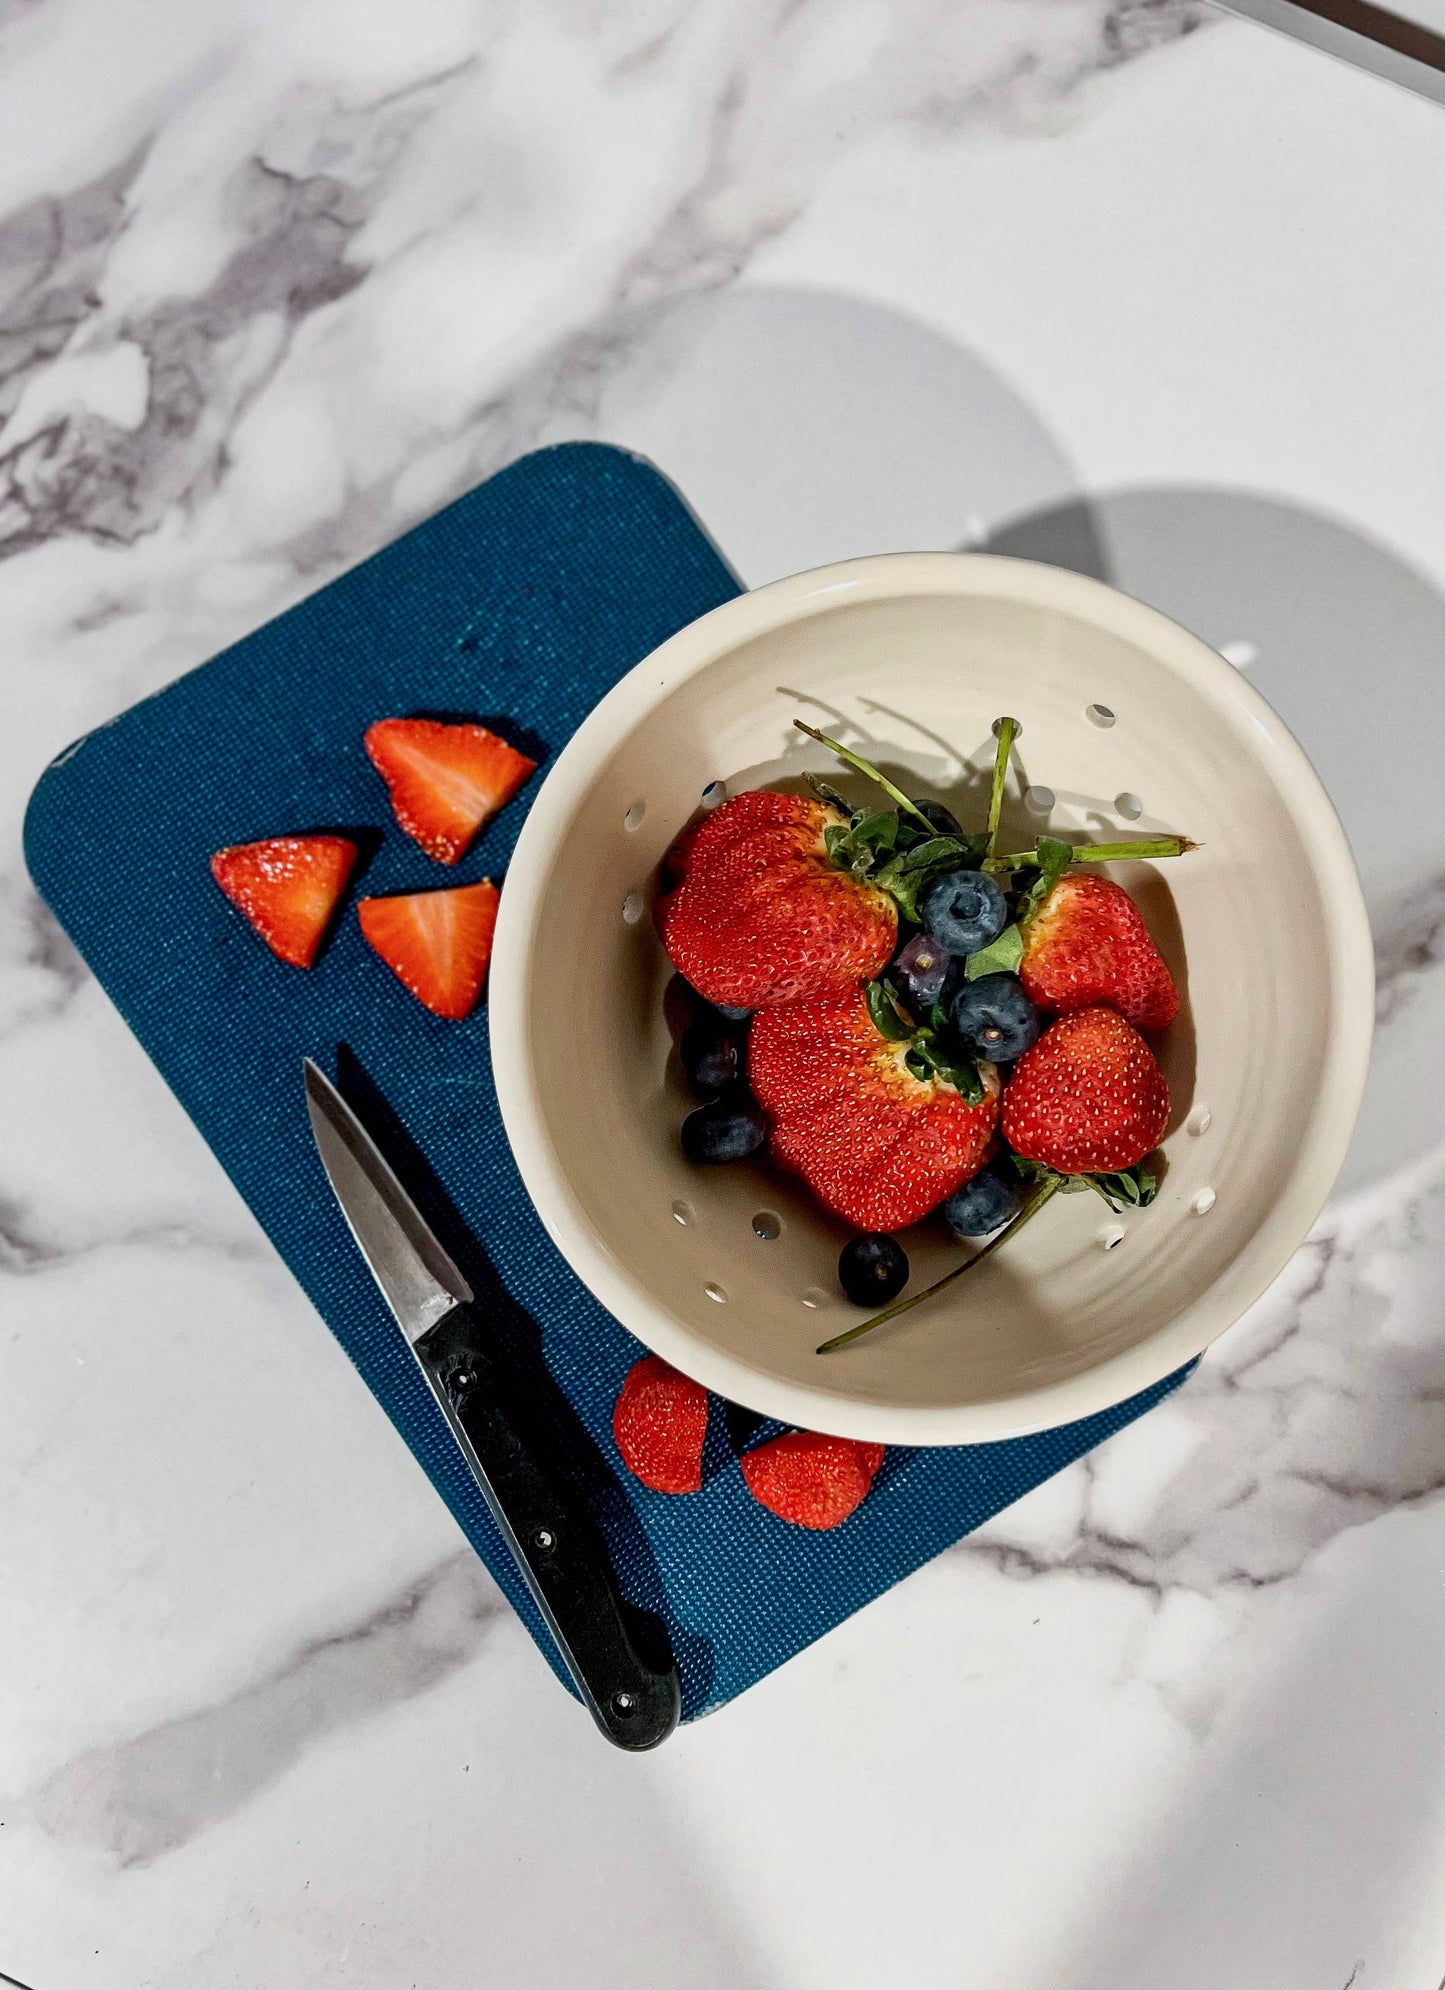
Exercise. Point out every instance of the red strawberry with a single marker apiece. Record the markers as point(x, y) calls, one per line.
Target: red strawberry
point(660, 1423)
point(811, 1480)
point(437, 942)
point(1088, 1098)
point(761, 917)
point(875, 1144)
point(445, 781)
point(288, 887)
point(1088, 944)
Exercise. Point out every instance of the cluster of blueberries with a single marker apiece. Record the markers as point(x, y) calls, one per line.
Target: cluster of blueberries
point(962, 912)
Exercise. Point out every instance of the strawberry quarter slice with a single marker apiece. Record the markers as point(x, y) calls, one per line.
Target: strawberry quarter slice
point(445, 781)
point(437, 943)
point(660, 1424)
point(287, 887)
point(811, 1480)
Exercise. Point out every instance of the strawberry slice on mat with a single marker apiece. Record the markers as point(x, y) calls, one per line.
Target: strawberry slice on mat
point(288, 888)
point(811, 1480)
point(660, 1424)
point(437, 943)
point(445, 781)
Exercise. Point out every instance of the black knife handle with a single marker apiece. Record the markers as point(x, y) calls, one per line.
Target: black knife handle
point(558, 1548)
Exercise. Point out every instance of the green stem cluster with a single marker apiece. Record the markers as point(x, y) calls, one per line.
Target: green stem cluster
point(1050, 858)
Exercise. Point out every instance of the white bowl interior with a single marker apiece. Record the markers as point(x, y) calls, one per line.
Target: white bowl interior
point(1260, 926)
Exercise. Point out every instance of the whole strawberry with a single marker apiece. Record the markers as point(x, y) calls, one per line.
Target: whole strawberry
point(1088, 943)
point(878, 1145)
point(1089, 1098)
point(761, 916)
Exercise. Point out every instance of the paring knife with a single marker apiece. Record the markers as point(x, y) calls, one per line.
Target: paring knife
point(558, 1549)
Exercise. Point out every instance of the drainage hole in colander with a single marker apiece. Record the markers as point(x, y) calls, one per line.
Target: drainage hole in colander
point(714, 1291)
point(767, 1226)
point(1098, 715)
point(1129, 806)
point(714, 794)
point(1018, 728)
point(1111, 1236)
point(1040, 800)
point(815, 1297)
point(1201, 1204)
point(682, 1212)
point(632, 908)
point(634, 816)
point(1200, 1120)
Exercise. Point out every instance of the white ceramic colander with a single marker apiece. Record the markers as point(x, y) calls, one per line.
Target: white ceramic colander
point(1130, 725)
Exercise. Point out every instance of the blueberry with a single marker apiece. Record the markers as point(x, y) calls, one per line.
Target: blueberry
point(964, 911)
point(728, 1129)
point(712, 1055)
point(922, 970)
point(995, 1018)
point(944, 821)
point(733, 1015)
point(873, 1269)
point(981, 1205)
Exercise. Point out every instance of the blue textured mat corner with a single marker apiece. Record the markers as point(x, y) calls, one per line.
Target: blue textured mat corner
point(520, 604)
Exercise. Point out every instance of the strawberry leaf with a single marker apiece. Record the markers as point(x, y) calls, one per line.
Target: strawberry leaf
point(940, 1061)
point(1054, 859)
point(1001, 956)
point(889, 1018)
point(1128, 1188)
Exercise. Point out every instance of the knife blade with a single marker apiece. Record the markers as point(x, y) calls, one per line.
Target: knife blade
point(560, 1553)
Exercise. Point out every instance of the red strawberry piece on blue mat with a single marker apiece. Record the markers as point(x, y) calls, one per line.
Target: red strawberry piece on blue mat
point(438, 943)
point(1089, 1098)
point(876, 1144)
point(1088, 943)
point(660, 1424)
point(288, 888)
point(811, 1480)
point(445, 781)
point(761, 915)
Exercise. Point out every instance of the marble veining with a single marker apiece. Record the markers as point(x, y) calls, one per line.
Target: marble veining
point(274, 284)
point(143, 1797)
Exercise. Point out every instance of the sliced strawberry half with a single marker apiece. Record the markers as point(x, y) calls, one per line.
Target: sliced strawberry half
point(437, 943)
point(660, 1424)
point(811, 1480)
point(445, 781)
point(288, 888)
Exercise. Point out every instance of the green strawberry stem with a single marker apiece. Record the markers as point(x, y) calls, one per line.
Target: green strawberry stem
point(1007, 731)
point(1103, 853)
point(865, 767)
point(1032, 1207)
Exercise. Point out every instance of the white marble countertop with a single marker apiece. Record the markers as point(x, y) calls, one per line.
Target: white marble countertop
point(1131, 285)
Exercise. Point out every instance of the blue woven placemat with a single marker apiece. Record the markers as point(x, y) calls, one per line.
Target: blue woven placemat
point(520, 605)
